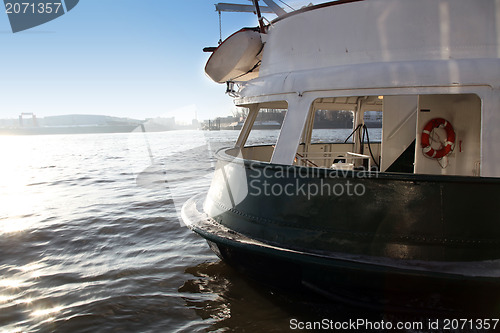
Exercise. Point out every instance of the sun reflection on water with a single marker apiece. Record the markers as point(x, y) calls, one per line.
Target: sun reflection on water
point(9, 226)
point(12, 330)
point(16, 291)
point(47, 313)
point(11, 283)
point(25, 301)
point(34, 269)
point(13, 181)
point(6, 298)
point(22, 166)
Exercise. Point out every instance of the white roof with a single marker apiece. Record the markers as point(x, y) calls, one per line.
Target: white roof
point(382, 43)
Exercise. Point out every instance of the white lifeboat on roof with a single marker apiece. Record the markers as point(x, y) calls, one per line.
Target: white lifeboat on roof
point(237, 58)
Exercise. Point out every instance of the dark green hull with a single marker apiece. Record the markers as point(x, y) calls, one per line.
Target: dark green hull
point(395, 231)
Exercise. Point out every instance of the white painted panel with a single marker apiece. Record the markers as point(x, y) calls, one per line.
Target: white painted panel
point(383, 31)
point(490, 157)
point(247, 126)
point(291, 130)
point(399, 126)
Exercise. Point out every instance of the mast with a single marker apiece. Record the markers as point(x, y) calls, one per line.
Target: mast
point(259, 16)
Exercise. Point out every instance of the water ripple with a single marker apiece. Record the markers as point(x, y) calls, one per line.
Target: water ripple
point(84, 249)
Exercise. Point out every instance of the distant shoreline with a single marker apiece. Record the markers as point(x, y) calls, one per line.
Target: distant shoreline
point(68, 130)
point(29, 124)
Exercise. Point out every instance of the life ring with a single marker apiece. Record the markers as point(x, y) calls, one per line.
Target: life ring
point(449, 144)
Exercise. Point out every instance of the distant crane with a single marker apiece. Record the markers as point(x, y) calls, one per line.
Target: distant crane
point(33, 117)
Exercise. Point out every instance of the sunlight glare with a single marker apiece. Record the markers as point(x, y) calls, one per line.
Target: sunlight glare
point(12, 330)
point(33, 268)
point(11, 283)
point(47, 312)
point(6, 298)
point(10, 226)
point(25, 301)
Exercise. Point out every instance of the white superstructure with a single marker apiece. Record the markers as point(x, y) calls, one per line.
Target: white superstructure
point(421, 59)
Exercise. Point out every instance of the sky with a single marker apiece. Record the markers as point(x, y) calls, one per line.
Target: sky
point(126, 58)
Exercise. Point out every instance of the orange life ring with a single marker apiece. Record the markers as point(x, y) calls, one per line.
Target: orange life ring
point(450, 138)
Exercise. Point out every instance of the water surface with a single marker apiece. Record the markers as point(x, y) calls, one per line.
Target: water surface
point(87, 246)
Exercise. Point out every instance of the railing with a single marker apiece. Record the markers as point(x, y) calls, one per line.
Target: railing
point(320, 155)
point(333, 160)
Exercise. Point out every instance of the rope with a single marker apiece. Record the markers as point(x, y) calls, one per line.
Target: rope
point(362, 131)
point(357, 128)
point(220, 28)
point(432, 139)
point(370, 147)
point(306, 160)
point(249, 71)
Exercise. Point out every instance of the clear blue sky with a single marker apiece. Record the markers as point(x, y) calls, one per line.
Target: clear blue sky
point(130, 58)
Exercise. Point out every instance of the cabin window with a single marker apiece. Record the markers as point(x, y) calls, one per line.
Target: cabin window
point(329, 139)
point(373, 122)
point(332, 126)
point(260, 140)
point(266, 127)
